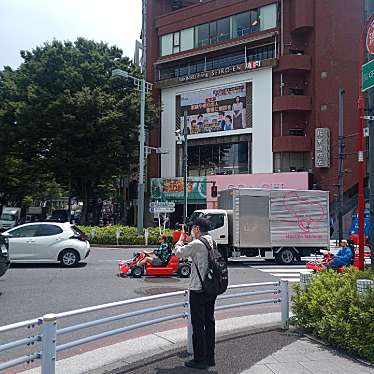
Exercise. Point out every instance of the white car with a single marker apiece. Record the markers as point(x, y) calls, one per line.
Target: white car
point(47, 242)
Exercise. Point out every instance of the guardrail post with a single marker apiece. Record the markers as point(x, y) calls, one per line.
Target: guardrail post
point(285, 307)
point(189, 326)
point(49, 344)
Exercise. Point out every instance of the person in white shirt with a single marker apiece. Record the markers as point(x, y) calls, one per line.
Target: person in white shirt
point(201, 304)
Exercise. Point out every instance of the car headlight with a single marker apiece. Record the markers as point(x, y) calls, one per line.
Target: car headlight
point(4, 248)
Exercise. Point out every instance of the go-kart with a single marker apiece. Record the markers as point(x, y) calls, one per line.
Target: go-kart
point(175, 266)
point(317, 265)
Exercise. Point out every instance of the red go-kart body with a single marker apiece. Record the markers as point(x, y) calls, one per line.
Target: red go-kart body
point(174, 267)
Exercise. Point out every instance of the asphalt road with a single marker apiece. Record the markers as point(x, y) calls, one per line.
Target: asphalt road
point(31, 290)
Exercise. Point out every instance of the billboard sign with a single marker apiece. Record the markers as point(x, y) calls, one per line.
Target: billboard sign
point(171, 190)
point(322, 147)
point(220, 110)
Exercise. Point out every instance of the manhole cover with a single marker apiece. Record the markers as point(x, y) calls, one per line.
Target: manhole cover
point(149, 291)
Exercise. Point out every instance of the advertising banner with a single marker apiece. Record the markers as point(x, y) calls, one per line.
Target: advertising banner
point(220, 109)
point(171, 189)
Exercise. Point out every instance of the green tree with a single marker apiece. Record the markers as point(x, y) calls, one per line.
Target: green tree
point(65, 116)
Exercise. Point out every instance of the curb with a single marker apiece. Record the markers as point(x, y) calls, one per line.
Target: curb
point(119, 366)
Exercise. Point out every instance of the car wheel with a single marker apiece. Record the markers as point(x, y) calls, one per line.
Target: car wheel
point(285, 256)
point(184, 270)
point(69, 258)
point(137, 271)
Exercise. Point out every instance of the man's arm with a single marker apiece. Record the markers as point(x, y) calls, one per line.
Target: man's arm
point(183, 251)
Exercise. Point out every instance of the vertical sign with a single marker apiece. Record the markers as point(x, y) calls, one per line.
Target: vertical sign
point(370, 38)
point(322, 147)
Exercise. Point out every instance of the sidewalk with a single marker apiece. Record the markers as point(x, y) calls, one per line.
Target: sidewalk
point(247, 345)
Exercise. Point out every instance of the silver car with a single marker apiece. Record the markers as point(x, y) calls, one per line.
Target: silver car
point(47, 242)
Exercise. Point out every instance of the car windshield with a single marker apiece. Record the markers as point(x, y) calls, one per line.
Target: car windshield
point(7, 217)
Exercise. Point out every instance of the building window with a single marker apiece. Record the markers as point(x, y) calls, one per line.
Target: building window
point(219, 159)
point(223, 29)
point(236, 26)
point(202, 35)
point(268, 17)
point(187, 39)
point(291, 161)
point(166, 44)
point(241, 24)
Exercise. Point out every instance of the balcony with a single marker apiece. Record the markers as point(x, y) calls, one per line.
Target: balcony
point(291, 144)
point(294, 62)
point(303, 15)
point(292, 103)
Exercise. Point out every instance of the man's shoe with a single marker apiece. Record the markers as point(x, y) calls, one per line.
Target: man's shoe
point(201, 365)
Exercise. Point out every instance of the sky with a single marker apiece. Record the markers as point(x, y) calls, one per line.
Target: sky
point(25, 24)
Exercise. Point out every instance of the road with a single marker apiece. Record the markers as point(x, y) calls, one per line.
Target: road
point(31, 290)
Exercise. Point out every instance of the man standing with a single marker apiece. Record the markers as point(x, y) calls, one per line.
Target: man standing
point(201, 304)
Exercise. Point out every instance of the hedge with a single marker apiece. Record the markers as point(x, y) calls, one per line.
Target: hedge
point(128, 236)
point(331, 309)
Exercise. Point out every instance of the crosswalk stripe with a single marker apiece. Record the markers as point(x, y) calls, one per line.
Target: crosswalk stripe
point(272, 270)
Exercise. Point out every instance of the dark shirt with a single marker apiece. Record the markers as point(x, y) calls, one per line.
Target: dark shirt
point(163, 252)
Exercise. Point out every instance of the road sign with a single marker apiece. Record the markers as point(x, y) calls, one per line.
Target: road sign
point(370, 38)
point(161, 207)
point(367, 75)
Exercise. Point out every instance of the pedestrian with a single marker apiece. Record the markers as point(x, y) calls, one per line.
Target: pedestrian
point(201, 304)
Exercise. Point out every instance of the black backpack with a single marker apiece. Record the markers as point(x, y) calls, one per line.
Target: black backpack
point(216, 279)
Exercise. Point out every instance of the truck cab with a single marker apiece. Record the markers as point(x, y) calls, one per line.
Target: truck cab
point(9, 218)
point(219, 224)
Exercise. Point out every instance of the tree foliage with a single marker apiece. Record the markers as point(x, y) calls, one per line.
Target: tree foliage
point(64, 119)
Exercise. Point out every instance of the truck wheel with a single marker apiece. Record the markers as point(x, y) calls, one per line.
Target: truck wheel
point(184, 270)
point(137, 271)
point(285, 256)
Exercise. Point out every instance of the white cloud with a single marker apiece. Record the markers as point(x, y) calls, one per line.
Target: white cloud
point(27, 23)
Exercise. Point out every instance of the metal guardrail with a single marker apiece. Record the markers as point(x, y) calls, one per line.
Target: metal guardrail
point(50, 332)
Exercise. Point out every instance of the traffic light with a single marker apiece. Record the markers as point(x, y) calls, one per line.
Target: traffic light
point(214, 191)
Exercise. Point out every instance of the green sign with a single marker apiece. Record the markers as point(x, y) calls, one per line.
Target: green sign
point(367, 75)
point(171, 189)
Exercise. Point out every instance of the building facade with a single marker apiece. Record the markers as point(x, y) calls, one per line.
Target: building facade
point(256, 84)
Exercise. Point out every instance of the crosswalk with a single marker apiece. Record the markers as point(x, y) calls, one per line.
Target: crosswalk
point(290, 273)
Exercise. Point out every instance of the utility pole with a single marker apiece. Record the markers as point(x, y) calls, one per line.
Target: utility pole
point(185, 169)
point(341, 163)
point(371, 187)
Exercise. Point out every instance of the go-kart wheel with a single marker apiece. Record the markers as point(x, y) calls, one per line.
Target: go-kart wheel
point(137, 271)
point(184, 270)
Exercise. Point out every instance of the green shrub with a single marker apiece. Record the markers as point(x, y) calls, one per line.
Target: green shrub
point(331, 309)
point(107, 235)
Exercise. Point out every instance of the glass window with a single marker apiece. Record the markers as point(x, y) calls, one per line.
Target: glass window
point(241, 24)
point(24, 232)
point(223, 29)
point(166, 44)
point(187, 39)
point(213, 32)
point(216, 220)
point(49, 230)
point(202, 35)
point(255, 20)
point(268, 17)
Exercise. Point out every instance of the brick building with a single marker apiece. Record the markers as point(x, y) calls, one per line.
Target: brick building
point(258, 82)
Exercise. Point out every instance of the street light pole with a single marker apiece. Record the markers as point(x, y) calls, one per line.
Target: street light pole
point(142, 86)
point(140, 220)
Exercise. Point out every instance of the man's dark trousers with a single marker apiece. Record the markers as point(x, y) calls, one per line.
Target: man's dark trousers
point(203, 326)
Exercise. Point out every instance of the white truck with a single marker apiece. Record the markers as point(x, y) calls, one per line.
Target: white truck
point(280, 224)
point(10, 217)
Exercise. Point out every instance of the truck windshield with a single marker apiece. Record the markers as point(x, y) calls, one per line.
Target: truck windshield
point(216, 220)
point(7, 217)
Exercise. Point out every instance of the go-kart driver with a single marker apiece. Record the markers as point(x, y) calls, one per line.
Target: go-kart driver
point(159, 256)
point(342, 258)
